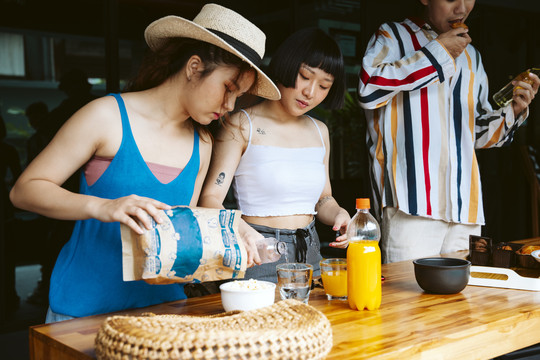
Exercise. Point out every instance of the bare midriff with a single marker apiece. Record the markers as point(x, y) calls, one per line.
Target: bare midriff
point(281, 222)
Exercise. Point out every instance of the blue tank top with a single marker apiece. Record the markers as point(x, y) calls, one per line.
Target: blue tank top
point(87, 277)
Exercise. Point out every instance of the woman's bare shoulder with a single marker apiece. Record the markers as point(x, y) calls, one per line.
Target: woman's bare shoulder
point(241, 117)
point(321, 124)
point(97, 122)
point(235, 126)
point(99, 111)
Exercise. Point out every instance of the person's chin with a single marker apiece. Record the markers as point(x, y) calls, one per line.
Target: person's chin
point(302, 111)
point(203, 121)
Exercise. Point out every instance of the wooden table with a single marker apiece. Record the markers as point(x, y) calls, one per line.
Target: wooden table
point(478, 323)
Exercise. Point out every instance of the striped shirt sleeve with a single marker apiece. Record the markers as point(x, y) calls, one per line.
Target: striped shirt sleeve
point(388, 69)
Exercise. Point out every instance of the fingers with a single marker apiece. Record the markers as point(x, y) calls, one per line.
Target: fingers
point(341, 235)
point(524, 92)
point(144, 209)
point(455, 41)
point(467, 38)
point(519, 104)
point(463, 40)
point(461, 32)
point(253, 257)
point(133, 225)
point(250, 262)
point(341, 242)
point(535, 82)
point(134, 211)
point(141, 216)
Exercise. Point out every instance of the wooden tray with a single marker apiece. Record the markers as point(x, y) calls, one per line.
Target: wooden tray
point(521, 279)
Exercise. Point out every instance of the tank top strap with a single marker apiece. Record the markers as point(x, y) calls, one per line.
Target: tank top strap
point(318, 129)
point(250, 128)
point(126, 127)
point(195, 153)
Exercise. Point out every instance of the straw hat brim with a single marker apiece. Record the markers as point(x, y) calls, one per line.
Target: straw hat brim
point(175, 26)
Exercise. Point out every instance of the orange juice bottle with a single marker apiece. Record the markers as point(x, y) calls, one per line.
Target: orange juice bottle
point(363, 259)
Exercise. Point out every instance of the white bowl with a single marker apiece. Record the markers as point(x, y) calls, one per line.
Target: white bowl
point(536, 254)
point(247, 294)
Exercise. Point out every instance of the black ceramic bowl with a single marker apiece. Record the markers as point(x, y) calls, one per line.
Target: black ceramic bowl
point(442, 275)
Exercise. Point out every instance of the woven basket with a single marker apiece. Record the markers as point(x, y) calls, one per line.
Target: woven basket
point(288, 329)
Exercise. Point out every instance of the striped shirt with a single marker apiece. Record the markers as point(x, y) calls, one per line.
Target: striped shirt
point(426, 113)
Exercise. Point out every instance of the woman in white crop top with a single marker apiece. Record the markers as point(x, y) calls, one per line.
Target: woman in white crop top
point(276, 157)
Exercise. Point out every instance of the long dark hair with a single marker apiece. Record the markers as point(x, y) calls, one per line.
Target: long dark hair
point(161, 64)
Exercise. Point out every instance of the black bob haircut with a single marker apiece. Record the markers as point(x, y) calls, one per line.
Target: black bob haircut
point(313, 47)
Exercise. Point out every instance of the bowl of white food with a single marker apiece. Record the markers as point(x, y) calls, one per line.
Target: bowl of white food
point(247, 294)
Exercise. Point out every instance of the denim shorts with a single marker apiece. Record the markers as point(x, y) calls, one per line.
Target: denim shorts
point(294, 240)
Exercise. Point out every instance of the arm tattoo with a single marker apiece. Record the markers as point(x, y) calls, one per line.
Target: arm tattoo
point(261, 131)
point(322, 201)
point(220, 178)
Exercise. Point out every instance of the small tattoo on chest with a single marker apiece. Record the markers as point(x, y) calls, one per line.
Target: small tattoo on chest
point(261, 131)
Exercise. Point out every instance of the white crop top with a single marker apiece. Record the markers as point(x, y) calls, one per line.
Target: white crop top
point(278, 181)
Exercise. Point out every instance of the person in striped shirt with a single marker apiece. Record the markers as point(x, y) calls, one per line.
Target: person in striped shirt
point(425, 93)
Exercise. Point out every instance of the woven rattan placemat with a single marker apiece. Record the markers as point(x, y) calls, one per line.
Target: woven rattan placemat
point(288, 329)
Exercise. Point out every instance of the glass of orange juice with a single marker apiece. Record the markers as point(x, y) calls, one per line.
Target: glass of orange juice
point(334, 278)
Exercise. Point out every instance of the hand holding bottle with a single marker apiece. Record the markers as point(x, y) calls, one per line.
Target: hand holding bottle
point(250, 236)
point(520, 91)
point(524, 92)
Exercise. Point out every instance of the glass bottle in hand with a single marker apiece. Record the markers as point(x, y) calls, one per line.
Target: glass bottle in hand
point(504, 96)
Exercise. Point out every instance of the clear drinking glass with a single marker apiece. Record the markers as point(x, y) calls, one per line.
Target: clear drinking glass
point(334, 278)
point(294, 281)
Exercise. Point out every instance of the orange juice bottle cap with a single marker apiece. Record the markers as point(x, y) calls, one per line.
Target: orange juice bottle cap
point(362, 203)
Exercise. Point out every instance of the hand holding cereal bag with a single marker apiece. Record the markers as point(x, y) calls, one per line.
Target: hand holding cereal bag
point(191, 245)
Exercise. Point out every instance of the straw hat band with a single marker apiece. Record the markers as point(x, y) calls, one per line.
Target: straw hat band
point(246, 50)
point(223, 28)
point(214, 17)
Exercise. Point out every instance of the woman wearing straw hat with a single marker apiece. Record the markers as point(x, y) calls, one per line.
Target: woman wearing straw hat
point(276, 156)
point(140, 152)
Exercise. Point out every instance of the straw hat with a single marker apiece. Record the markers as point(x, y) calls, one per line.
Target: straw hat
point(224, 28)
